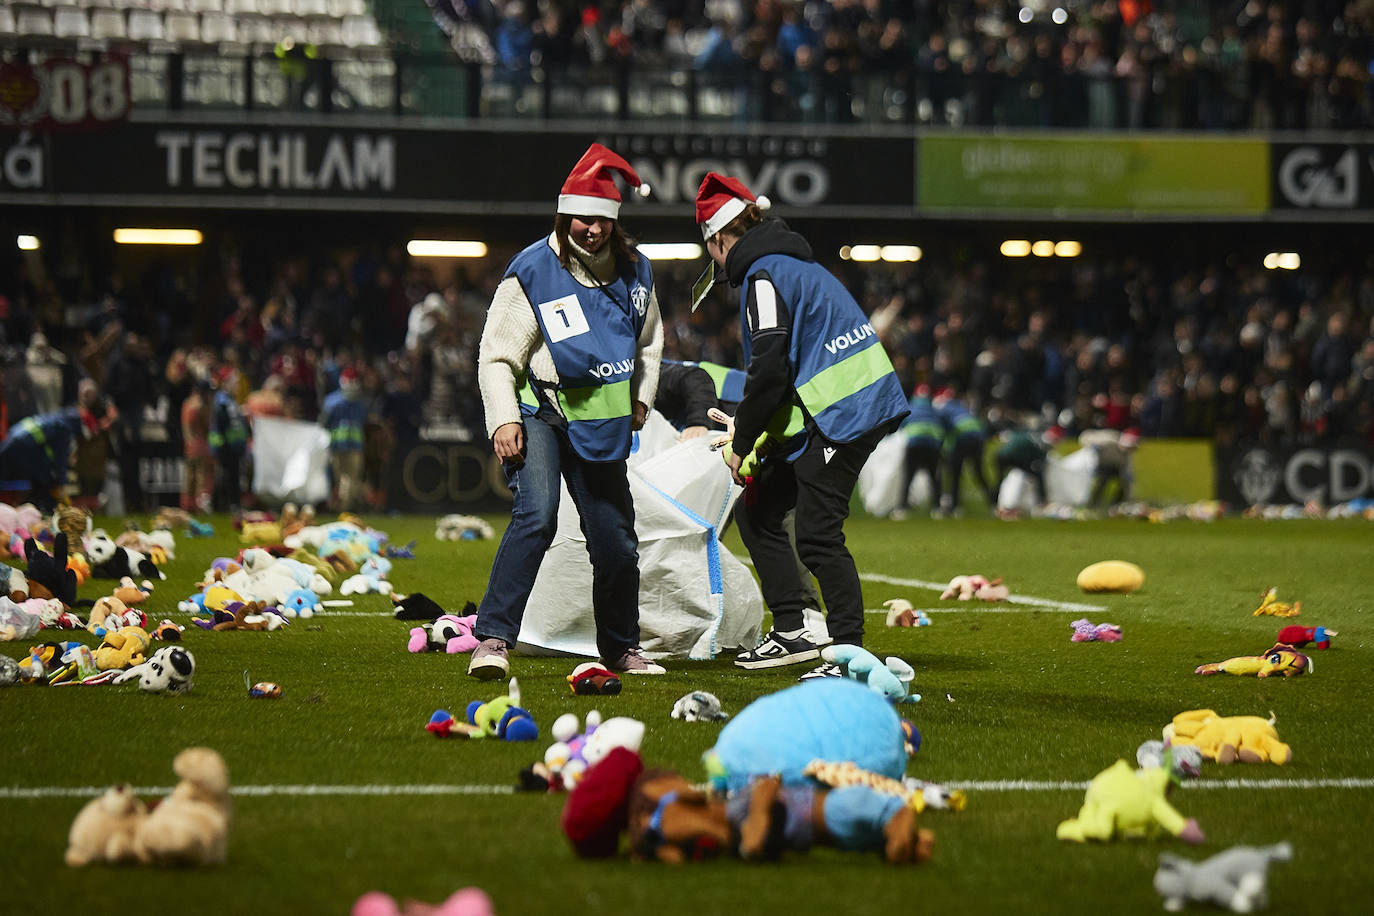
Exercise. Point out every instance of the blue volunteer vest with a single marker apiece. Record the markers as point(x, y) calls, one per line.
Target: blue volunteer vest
point(593, 336)
point(923, 426)
point(346, 421)
point(841, 373)
point(959, 421)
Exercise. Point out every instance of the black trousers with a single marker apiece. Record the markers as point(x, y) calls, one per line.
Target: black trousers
point(1036, 469)
point(968, 449)
point(921, 456)
point(818, 485)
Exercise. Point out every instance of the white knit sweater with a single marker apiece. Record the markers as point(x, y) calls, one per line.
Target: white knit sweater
point(512, 341)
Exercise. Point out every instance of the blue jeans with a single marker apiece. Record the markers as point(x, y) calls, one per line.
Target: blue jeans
point(601, 491)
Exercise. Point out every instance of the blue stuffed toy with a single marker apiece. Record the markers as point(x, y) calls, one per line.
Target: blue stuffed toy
point(889, 679)
point(503, 717)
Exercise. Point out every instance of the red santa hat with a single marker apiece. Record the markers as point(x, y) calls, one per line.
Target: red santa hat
point(590, 188)
point(720, 199)
point(348, 378)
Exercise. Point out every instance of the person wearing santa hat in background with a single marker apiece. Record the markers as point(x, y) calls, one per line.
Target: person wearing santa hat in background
point(924, 438)
point(807, 343)
point(344, 417)
point(568, 367)
point(38, 450)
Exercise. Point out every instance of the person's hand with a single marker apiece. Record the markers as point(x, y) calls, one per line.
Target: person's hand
point(733, 462)
point(509, 443)
point(641, 414)
point(692, 432)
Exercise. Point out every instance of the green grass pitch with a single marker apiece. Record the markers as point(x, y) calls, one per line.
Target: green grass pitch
point(1007, 697)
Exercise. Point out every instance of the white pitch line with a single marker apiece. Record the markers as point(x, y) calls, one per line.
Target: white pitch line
point(1000, 785)
point(1014, 599)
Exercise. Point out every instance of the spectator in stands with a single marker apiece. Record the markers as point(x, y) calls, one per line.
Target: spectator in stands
point(198, 481)
point(46, 370)
point(568, 366)
point(132, 387)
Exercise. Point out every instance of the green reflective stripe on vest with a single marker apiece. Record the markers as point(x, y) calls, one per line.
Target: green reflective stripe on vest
point(524, 391)
point(924, 429)
point(30, 426)
point(967, 425)
point(346, 434)
point(786, 423)
point(850, 375)
point(599, 402)
point(718, 375)
point(216, 439)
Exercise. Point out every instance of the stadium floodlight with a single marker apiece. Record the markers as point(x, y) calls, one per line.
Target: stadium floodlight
point(899, 253)
point(1015, 248)
point(1282, 260)
point(27, 242)
point(670, 251)
point(443, 248)
point(863, 252)
point(157, 236)
point(1043, 249)
point(1060, 15)
point(1026, 14)
point(1067, 249)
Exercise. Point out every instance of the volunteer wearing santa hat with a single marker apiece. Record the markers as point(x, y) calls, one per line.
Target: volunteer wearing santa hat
point(924, 437)
point(39, 448)
point(344, 417)
point(568, 367)
point(808, 345)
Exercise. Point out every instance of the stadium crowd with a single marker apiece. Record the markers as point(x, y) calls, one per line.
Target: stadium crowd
point(1247, 64)
point(1160, 343)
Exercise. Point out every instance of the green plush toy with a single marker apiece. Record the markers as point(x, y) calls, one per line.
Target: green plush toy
point(503, 717)
point(1122, 802)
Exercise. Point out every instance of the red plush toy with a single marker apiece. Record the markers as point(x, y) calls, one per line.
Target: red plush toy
point(597, 810)
point(1297, 637)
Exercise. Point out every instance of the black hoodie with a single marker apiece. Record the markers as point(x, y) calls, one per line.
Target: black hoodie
point(768, 385)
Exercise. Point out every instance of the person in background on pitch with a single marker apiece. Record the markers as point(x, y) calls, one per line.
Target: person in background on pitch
point(807, 344)
point(965, 439)
point(568, 367)
point(924, 437)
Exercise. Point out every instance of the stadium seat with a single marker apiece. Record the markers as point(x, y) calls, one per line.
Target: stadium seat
point(361, 32)
point(34, 22)
point(218, 27)
point(204, 6)
point(108, 24)
point(241, 8)
point(145, 25)
point(275, 7)
point(342, 8)
point(7, 24)
point(181, 27)
point(257, 30)
point(323, 32)
point(70, 22)
point(310, 7)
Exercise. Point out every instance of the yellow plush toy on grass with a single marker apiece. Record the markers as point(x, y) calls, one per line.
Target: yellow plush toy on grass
point(1111, 576)
point(1272, 606)
point(1226, 739)
point(1124, 802)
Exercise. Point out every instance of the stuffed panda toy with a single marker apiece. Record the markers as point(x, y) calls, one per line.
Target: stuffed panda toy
point(110, 561)
point(168, 671)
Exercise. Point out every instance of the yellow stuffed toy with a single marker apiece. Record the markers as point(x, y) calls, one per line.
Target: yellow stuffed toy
point(1226, 739)
point(121, 649)
point(1281, 661)
point(1117, 576)
point(1273, 607)
point(1124, 802)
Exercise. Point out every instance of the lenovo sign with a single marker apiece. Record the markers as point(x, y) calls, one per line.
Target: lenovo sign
point(1323, 176)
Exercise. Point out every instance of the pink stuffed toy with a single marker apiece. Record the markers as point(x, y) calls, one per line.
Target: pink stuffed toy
point(966, 587)
point(470, 901)
point(450, 633)
point(1083, 631)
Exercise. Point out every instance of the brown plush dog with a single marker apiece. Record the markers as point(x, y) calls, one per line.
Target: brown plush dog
point(190, 826)
point(672, 821)
point(104, 830)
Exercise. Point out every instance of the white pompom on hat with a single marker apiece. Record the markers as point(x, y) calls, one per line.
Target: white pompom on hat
point(590, 188)
point(720, 199)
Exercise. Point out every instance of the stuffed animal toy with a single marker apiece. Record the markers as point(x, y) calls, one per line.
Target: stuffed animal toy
point(108, 606)
point(671, 820)
point(463, 528)
point(503, 717)
point(1298, 637)
point(191, 825)
point(1281, 660)
point(370, 578)
point(53, 616)
point(980, 587)
point(593, 679)
point(1116, 576)
point(43, 659)
point(122, 649)
point(403, 552)
point(75, 523)
point(1183, 759)
point(131, 593)
point(900, 613)
point(890, 679)
point(248, 615)
point(9, 671)
point(13, 584)
point(564, 763)
point(469, 901)
point(47, 576)
point(302, 602)
point(699, 706)
point(597, 809)
point(1083, 631)
point(260, 533)
point(1272, 606)
point(1237, 878)
point(169, 517)
point(167, 631)
point(159, 546)
point(447, 634)
point(1122, 802)
point(442, 725)
point(104, 829)
point(418, 606)
point(110, 561)
point(170, 670)
point(80, 566)
point(1226, 739)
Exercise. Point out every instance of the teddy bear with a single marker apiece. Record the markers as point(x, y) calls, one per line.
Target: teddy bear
point(248, 615)
point(104, 829)
point(191, 825)
point(105, 606)
point(1226, 739)
point(890, 679)
point(1236, 878)
point(900, 613)
point(1281, 660)
point(1123, 802)
point(980, 587)
point(122, 648)
point(170, 670)
point(131, 593)
point(448, 634)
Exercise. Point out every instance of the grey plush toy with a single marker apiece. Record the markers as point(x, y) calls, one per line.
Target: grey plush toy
point(1237, 878)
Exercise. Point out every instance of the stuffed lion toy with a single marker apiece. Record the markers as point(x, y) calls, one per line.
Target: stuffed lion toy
point(1226, 739)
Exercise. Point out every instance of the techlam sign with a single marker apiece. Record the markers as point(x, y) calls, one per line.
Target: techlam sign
point(1256, 476)
point(1324, 176)
point(212, 159)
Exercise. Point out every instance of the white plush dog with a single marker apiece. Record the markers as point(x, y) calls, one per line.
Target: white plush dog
point(190, 826)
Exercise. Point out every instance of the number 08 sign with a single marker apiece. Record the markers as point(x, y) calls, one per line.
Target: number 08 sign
point(64, 94)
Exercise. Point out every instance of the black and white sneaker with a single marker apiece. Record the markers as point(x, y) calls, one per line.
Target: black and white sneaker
point(777, 650)
point(825, 670)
